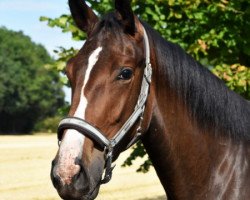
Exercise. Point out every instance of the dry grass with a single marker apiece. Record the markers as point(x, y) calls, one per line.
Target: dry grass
point(25, 168)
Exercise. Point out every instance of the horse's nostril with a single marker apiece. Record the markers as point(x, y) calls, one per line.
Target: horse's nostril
point(54, 177)
point(78, 161)
point(81, 181)
point(53, 163)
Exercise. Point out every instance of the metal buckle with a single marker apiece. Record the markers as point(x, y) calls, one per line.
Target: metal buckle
point(109, 168)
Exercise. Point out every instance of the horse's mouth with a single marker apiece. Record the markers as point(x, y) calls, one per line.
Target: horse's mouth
point(69, 195)
point(79, 195)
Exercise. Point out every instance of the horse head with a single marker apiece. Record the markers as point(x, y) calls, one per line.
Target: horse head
point(110, 85)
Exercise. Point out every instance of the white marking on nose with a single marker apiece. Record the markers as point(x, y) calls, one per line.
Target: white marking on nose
point(70, 149)
point(72, 144)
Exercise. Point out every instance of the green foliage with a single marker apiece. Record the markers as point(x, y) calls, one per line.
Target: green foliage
point(63, 56)
point(214, 32)
point(65, 22)
point(138, 152)
point(236, 77)
point(29, 92)
point(48, 125)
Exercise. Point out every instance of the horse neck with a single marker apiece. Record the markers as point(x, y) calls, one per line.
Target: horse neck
point(186, 157)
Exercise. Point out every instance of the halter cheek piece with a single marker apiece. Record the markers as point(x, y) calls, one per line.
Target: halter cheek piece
point(108, 145)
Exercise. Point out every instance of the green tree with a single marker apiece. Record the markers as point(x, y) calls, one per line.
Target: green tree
point(28, 92)
point(214, 32)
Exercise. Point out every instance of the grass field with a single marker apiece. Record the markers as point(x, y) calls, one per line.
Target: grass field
point(25, 168)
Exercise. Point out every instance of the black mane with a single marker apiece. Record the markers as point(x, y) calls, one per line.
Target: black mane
point(209, 101)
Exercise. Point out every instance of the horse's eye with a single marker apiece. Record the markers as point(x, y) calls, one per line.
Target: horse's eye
point(125, 74)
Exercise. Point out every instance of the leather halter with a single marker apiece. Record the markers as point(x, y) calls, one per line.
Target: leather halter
point(108, 145)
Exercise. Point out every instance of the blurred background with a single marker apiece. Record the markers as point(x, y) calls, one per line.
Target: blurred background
point(36, 40)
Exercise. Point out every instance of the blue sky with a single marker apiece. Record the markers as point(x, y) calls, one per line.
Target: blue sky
point(24, 15)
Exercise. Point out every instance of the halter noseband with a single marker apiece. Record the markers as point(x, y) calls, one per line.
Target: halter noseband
point(96, 135)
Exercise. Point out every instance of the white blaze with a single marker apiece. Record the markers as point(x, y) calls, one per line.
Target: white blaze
point(80, 111)
point(71, 146)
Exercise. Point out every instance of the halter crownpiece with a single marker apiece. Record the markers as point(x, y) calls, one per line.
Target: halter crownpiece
point(97, 136)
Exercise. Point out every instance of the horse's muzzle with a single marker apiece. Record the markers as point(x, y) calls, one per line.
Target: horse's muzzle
point(73, 186)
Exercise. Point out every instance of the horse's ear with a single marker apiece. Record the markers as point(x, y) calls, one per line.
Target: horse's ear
point(123, 7)
point(83, 15)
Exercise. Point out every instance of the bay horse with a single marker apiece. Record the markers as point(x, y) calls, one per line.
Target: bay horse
point(128, 83)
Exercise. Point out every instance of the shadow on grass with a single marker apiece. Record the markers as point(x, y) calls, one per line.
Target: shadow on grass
point(155, 198)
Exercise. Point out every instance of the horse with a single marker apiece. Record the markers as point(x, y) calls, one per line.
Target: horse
point(130, 84)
